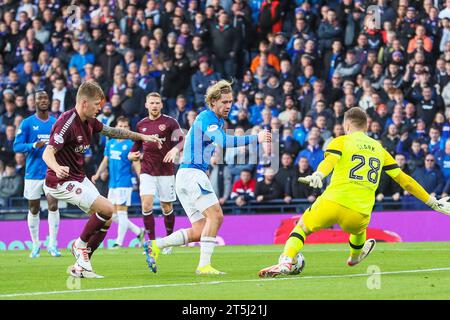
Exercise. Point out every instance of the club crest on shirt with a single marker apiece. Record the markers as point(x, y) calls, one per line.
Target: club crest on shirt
point(212, 127)
point(144, 129)
point(58, 138)
point(125, 147)
point(162, 127)
point(78, 191)
point(35, 128)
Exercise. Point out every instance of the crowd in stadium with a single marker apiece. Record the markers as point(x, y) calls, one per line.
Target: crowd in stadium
point(297, 66)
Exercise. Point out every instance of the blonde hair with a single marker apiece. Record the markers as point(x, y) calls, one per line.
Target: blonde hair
point(357, 117)
point(153, 94)
point(91, 90)
point(215, 91)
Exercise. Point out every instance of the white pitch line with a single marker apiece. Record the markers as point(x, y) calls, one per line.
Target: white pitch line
point(13, 295)
point(306, 250)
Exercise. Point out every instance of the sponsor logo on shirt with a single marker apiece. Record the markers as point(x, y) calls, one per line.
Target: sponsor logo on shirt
point(115, 154)
point(82, 148)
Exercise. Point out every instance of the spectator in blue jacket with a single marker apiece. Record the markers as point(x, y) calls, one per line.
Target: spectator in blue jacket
point(430, 177)
point(415, 156)
point(434, 143)
point(54, 46)
point(202, 79)
point(313, 152)
point(444, 160)
point(80, 59)
point(302, 130)
point(256, 109)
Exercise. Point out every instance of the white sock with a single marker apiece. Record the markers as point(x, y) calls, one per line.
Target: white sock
point(207, 245)
point(178, 238)
point(134, 228)
point(33, 226)
point(53, 225)
point(80, 243)
point(123, 226)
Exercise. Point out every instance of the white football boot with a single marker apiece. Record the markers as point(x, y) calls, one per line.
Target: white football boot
point(82, 256)
point(369, 245)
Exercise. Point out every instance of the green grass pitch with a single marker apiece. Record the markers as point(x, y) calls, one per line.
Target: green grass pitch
point(402, 271)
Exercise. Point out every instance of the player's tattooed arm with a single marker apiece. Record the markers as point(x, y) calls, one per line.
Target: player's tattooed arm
point(127, 134)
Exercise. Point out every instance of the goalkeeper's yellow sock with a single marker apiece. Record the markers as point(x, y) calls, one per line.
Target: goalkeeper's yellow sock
point(295, 242)
point(356, 242)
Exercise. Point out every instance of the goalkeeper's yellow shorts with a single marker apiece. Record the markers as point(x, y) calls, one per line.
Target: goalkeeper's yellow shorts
point(325, 213)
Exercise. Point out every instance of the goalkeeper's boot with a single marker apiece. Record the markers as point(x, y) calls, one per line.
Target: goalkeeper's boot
point(369, 245)
point(36, 251)
point(208, 269)
point(54, 252)
point(276, 270)
point(140, 237)
point(79, 272)
point(151, 253)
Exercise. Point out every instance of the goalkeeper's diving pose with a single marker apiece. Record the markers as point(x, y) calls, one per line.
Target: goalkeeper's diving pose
point(356, 161)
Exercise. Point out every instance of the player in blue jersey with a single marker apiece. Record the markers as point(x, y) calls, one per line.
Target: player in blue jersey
point(120, 186)
point(31, 138)
point(193, 187)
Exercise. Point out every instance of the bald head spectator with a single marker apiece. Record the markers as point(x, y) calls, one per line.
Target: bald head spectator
point(7, 142)
point(11, 184)
point(300, 190)
point(286, 173)
point(430, 177)
point(268, 189)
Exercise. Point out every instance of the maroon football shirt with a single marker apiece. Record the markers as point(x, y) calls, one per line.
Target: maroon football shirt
point(168, 129)
point(71, 137)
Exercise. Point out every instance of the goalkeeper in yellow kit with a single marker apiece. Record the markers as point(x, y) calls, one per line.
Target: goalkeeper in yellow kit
point(356, 161)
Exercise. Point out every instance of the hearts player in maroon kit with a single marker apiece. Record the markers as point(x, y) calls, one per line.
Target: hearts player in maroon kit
point(65, 180)
point(157, 172)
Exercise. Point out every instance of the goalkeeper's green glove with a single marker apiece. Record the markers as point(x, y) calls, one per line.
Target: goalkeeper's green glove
point(314, 180)
point(441, 205)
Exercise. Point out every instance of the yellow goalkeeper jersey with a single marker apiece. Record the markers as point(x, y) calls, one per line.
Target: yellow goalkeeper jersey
point(356, 174)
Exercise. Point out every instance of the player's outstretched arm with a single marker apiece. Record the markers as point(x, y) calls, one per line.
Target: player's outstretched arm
point(127, 134)
point(414, 188)
point(49, 158)
point(332, 156)
point(324, 169)
point(219, 136)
